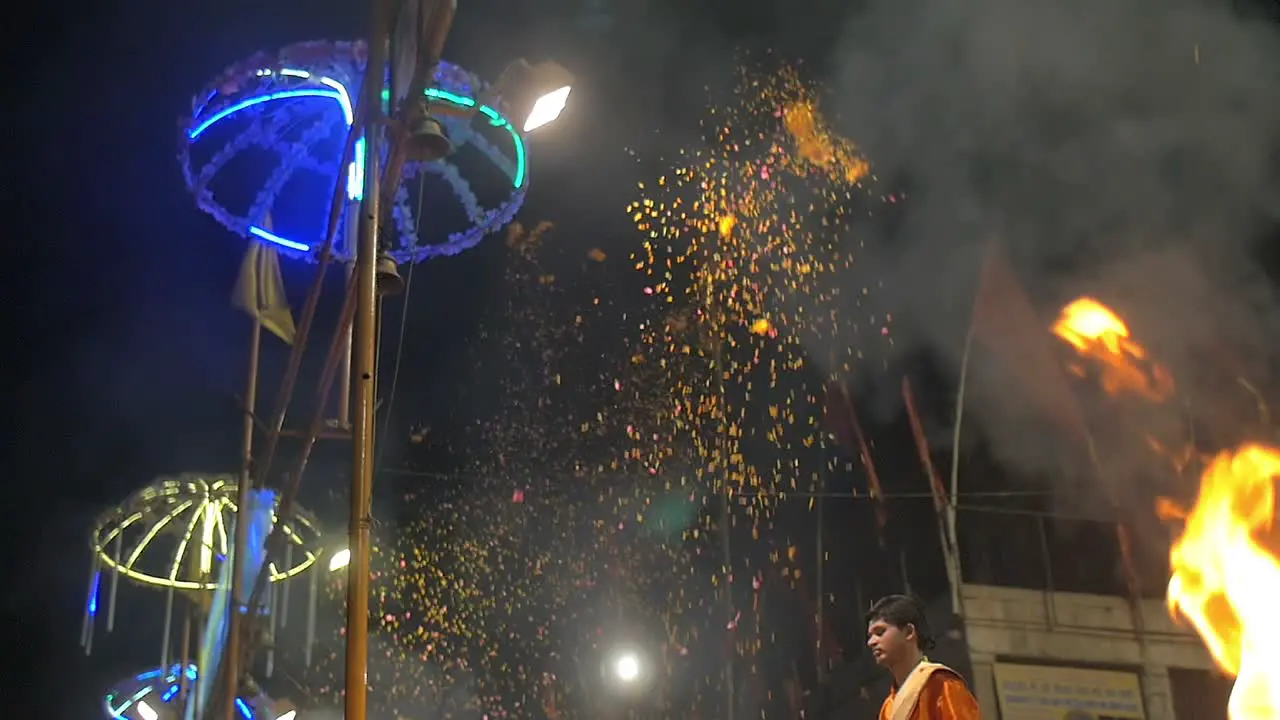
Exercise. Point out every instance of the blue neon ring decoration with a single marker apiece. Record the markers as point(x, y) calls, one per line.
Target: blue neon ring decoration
point(262, 89)
point(157, 687)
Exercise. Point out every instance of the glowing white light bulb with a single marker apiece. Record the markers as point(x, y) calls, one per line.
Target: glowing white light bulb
point(547, 108)
point(627, 668)
point(339, 560)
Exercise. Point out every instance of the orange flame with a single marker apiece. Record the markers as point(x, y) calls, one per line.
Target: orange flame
point(1096, 332)
point(1226, 579)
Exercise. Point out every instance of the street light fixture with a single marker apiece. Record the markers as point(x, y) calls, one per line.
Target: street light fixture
point(534, 95)
point(547, 108)
point(626, 668)
point(339, 560)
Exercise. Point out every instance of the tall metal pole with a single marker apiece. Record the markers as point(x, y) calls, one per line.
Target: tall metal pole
point(726, 533)
point(953, 539)
point(820, 663)
point(186, 655)
point(231, 675)
point(726, 547)
point(349, 234)
point(364, 346)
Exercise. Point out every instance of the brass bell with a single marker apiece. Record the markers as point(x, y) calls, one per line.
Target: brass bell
point(388, 277)
point(427, 139)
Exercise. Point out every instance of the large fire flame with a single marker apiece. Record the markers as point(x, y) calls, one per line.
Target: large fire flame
point(1225, 566)
point(1099, 334)
point(1226, 575)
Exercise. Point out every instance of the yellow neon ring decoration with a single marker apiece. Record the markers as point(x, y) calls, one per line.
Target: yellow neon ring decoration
point(170, 533)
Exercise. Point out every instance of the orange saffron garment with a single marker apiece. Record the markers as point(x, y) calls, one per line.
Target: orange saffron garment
point(938, 693)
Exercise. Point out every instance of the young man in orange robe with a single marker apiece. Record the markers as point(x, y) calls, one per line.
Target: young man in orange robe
point(898, 635)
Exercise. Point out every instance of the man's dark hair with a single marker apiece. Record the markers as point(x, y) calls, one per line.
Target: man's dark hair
point(901, 611)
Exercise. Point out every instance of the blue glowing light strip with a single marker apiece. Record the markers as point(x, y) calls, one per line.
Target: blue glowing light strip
point(227, 112)
point(273, 238)
point(338, 92)
point(191, 672)
point(495, 119)
point(117, 712)
point(243, 707)
point(93, 595)
point(355, 171)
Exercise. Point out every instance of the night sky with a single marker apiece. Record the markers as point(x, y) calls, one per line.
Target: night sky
point(1125, 152)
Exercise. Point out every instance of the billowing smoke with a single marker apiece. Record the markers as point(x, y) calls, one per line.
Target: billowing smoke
point(1122, 149)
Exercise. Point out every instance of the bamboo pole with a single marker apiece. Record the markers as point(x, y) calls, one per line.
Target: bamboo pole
point(820, 662)
point(235, 628)
point(364, 343)
point(115, 583)
point(941, 503)
point(953, 497)
point(91, 605)
point(165, 641)
point(185, 656)
point(726, 520)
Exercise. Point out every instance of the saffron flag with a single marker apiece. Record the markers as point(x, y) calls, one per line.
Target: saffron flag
point(259, 291)
point(1005, 321)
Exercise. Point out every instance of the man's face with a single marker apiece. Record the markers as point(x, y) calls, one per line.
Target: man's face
point(889, 643)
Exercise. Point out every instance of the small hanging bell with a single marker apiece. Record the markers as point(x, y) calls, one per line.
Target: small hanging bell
point(388, 279)
point(427, 139)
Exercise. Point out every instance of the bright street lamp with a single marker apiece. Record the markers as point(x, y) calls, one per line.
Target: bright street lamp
point(339, 560)
point(534, 95)
point(626, 668)
point(547, 108)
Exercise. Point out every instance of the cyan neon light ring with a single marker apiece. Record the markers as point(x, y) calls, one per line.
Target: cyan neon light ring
point(297, 107)
point(483, 221)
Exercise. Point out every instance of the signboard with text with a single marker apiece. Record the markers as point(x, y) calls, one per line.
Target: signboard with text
point(1045, 692)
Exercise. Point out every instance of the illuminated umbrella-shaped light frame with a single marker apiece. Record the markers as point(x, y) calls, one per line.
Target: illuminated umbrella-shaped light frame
point(176, 535)
point(268, 103)
point(171, 534)
point(143, 694)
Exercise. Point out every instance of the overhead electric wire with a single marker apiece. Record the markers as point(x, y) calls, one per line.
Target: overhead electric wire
point(851, 496)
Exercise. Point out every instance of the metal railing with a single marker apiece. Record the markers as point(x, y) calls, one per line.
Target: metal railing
point(1040, 551)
